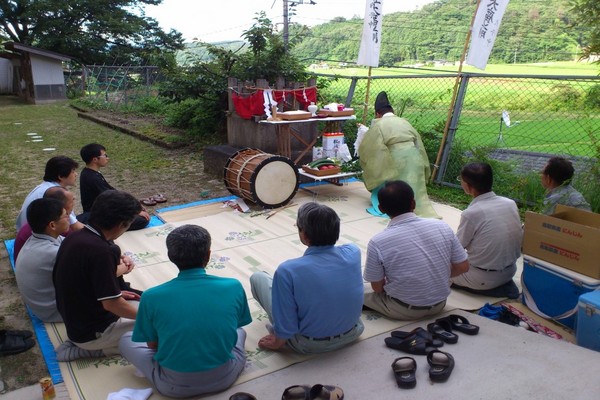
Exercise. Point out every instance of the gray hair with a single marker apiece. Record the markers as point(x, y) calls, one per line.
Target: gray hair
point(320, 224)
point(189, 246)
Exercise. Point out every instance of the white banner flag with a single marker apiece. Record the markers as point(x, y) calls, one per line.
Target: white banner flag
point(485, 29)
point(370, 43)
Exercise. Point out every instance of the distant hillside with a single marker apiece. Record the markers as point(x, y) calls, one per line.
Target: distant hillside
point(531, 31)
point(196, 51)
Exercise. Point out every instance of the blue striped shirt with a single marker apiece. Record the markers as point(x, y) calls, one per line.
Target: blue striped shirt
point(414, 255)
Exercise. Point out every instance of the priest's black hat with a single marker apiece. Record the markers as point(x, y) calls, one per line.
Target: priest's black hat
point(382, 101)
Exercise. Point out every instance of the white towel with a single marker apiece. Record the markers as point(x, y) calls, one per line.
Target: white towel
point(130, 394)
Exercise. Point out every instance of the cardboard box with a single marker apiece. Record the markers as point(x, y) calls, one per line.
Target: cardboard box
point(552, 292)
point(569, 238)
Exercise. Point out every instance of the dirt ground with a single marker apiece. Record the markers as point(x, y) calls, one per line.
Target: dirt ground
point(183, 184)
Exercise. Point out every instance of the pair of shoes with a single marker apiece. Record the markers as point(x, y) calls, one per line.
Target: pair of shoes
point(414, 343)
point(432, 341)
point(440, 363)
point(460, 324)
point(153, 200)
point(316, 392)
point(242, 396)
point(15, 342)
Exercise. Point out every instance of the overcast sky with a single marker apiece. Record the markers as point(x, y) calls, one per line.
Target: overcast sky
point(227, 19)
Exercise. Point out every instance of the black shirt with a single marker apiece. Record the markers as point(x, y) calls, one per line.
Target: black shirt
point(91, 184)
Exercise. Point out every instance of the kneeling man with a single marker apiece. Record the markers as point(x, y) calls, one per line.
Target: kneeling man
point(314, 302)
point(188, 338)
point(410, 263)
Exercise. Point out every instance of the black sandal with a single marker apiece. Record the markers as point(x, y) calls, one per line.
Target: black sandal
point(326, 392)
point(405, 369)
point(432, 341)
point(461, 324)
point(296, 392)
point(442, 329)
point(412, 344)
point(441, 365)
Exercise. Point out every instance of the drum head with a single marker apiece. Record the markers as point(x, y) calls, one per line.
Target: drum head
point(274, 182)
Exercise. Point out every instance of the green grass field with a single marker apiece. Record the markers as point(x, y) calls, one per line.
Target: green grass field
point(550, 68)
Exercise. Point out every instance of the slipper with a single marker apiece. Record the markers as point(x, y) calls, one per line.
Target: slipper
point(326, 392)
point(461, 324)
point(441, 365)
point(12, 332)
point(159, 198)
point(433, 341)
point(296, 392)
point(148, 201)
point(242, 396)
point(405, 369)
point(412, 344)
point(10, 344)
point(442, 329)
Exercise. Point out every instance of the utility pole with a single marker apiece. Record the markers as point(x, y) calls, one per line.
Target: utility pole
point(286, 22)
point(286, 17)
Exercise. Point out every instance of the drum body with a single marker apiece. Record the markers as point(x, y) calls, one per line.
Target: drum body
point(265, 179)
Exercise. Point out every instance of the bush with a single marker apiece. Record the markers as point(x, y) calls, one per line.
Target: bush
point(199, 117)
point(564, 97)
point(592, 97)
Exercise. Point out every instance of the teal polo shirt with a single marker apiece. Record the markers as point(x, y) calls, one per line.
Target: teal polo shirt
point(194, 319)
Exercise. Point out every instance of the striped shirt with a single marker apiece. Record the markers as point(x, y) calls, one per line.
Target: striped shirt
point(414, 255)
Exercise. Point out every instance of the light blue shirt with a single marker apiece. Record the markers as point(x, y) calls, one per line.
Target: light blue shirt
point(319, 294)
point(194, 318)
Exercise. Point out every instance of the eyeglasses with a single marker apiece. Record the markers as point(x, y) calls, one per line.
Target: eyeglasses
point(103, 155)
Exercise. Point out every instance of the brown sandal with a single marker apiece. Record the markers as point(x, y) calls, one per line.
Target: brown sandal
point(159, 198)
point(148, 201)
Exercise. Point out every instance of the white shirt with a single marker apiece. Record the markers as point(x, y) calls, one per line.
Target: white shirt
point(490, 230)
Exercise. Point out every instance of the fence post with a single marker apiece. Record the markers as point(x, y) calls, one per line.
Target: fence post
point(460, 98)
point(351, 91)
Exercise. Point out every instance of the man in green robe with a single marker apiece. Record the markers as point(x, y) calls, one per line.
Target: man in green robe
point(392, 150)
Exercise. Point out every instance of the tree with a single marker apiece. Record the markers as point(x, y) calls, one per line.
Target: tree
point(111, 32)
point(588, 13)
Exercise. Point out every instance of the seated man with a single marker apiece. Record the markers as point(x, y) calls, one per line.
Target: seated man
point(490, 230)
point(92, 183)
point(410, 263)
point(33, 270)
point(556, 178)
point(55, 192)
point(315, 301)
point(88, 296)
point(59, 171)
point(191, 325)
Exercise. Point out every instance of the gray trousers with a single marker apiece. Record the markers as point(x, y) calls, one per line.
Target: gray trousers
point(261, 285)
point(184, 384)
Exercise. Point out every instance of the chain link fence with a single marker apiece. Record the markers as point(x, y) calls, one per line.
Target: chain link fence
point(113, 87)
point(514, 122)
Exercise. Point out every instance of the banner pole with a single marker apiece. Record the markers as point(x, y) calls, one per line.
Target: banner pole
point(454, 94)
point(366, 105)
